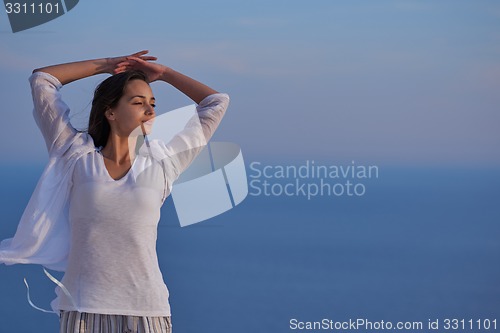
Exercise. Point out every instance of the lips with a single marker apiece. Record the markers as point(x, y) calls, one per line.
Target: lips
point(147, 126)
point(149, 122)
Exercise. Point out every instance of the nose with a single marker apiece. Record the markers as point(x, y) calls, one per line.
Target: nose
point(150, 111)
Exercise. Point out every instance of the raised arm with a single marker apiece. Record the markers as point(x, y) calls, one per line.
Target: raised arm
point(69, 72)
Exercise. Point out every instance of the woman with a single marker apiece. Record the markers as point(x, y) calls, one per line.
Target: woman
point(109, 188)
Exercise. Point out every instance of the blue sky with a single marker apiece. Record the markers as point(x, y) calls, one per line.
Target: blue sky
point(384, 82)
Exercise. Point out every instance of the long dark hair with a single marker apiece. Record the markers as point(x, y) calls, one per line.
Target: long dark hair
point(106, 95)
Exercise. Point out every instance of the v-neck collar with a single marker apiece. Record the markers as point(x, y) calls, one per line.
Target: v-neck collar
point(106, 171)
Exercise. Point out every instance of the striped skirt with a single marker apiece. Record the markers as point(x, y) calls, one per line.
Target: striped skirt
point(82, 322)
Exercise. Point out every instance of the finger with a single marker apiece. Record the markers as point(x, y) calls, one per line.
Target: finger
point(149, 58)
point(136, 62)
point(140, 53)
point(123, 63)
point(120, 69)
point(124, 66)
point(135, 59)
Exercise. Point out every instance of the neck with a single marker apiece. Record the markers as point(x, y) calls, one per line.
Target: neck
point(119, 149)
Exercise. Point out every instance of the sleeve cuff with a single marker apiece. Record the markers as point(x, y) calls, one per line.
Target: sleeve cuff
point(39, 77)
point(214, 98)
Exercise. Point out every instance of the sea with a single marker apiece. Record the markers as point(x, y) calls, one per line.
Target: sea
point(417, 251)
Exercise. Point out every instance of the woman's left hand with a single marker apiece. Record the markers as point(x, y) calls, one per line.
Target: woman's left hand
point(153, 70)
point(114, 65)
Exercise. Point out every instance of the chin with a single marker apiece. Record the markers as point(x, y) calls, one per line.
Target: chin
point(148, 129)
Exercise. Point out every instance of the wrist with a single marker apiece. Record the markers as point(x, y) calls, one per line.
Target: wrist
point(167, 74)
point(107, 66)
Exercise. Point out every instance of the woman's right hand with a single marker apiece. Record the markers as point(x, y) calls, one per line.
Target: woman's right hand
point(115, 65)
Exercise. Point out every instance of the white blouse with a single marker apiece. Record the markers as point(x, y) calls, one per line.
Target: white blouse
point(102, 232)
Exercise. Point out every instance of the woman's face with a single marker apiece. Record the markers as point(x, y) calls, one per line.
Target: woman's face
point(135, 108)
